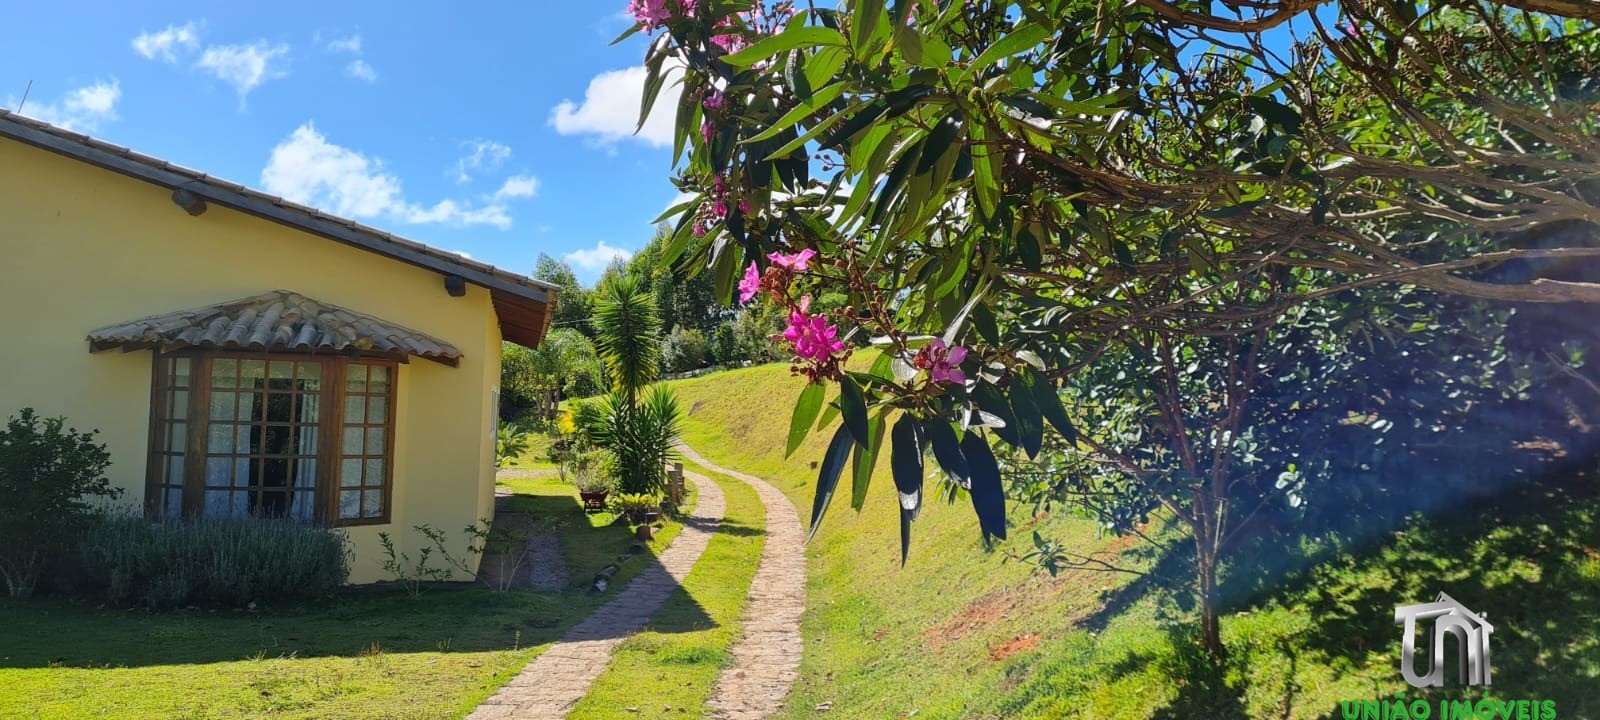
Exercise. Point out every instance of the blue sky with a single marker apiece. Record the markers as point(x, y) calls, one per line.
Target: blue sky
point(500, 132)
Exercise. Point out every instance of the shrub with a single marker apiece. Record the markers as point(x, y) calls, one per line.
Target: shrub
point(173, 563)
point(683, 350)
point(510, 443)
point(48, 474)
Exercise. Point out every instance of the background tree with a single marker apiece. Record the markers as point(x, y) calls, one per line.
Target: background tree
point(1137, 202)
point(572, 302)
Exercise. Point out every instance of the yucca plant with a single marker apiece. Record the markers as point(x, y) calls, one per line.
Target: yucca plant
point(637, 432)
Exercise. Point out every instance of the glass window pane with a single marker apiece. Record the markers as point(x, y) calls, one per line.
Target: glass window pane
point(180, 372)
point(374, 472)
point(221, 440)
point(305, 473)
point(244, 438)
point(355, 410)
point(224, 373)
point(379, 379)
point(371, 503)
point(177, 436)
point(302, 506)
point(218, 474)
point(275, 472)
point(377, 409)
point(310, 409)
point(375, 441)
point(355, 378)
point(180, 405)
point(252, 373)
point(249, 406)
point(352, 441)
point(223, 405)
point(217, 504)
point(310, 376)
point(350, 504)
point(280, 408)
point(280, 369)
point(277, 440)
point(173, 505)
point(350, 473)
point(241, 472)
point(174, 470)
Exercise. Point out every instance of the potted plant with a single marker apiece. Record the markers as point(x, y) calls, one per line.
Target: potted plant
point(593, 484)
point(639, 509)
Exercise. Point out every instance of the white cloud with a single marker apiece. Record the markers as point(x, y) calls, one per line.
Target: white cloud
point(596, 259)
point(244, 66)
point(308, 169)
point(361, 70)
point(83, 109)
point(351, 44)
point(483, 155)
point(518, 186)
point(610, 109)
point(164, 44)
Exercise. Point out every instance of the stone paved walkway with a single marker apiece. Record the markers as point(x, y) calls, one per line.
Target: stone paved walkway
point(766, 657)
point(558, 678)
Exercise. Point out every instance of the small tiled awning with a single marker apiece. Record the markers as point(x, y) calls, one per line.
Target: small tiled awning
point(276, 321)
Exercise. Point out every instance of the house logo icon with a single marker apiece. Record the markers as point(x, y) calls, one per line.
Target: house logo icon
point(1449, 617)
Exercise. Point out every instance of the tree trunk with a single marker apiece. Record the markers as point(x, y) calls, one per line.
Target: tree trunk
point(1210, 625)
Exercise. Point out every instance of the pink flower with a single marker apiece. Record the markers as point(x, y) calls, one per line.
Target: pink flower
point(943, 363)
point(719, 208)
point(719, 185)
point(798, 262)
point(813, 338)
point(706, 131)
point(744, 206)
point(730, 43)
point(714, 101)
point(653, 14)
point(750, 285)
point(700, 228)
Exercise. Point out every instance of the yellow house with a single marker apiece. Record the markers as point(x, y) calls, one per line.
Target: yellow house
point(242, 355)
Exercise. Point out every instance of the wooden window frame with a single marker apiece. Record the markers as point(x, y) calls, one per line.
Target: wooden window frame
point(330, 427)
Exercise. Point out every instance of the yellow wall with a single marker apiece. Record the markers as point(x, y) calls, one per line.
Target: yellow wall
point(83, 248)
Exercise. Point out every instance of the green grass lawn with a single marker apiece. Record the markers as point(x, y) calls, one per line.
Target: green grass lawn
point(961, 633)
point(667, 671)
point(364, 654)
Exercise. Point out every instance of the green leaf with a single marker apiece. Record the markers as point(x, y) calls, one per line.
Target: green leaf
point(794, 36)
point(991, 401)
point(905, 460)
point(819, 100)
point(864, 19)
point(805, 413)
point(988, 495)
point(816, 130)
point(1277, 113)
point(828, 477)
point(985, 171)
point(1048, 401)
point(1018, 40)
point(939, 141)
point(866, 456)
point(1030, 421)
point(628, 33)
point(854, 407)
point(947, 450)
point(653, 81)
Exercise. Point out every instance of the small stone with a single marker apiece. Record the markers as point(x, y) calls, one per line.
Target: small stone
point(824, 707)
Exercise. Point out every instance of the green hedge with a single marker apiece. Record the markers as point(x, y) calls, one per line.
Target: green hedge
point(132, 561)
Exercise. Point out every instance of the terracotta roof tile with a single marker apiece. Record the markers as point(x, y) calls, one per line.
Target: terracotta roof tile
point(275, 321)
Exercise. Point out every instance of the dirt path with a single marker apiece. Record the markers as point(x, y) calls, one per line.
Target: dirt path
point(766, 657)
point(553, 682)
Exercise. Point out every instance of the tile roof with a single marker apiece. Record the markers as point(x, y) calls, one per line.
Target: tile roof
point(275, 321)
point(522, 302)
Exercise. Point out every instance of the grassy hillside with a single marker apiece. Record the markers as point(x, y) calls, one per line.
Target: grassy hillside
point(962, 633)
